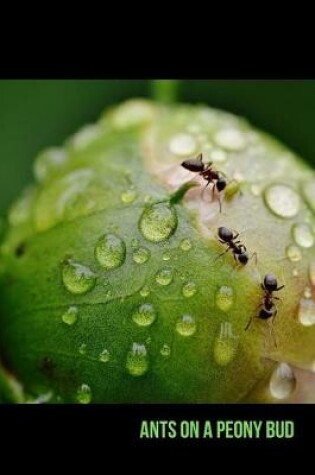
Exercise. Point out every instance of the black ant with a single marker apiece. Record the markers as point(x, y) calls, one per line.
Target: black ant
point(239, 251)
point(269, 308)
point(205, 170)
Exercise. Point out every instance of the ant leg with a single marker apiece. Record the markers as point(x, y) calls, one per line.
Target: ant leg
point(249, 323)
point(252, 255)
point(203, 191)
point(220, 203)
point(279, 288)
point(222, 254)
point(213, 189)
point(271, 329)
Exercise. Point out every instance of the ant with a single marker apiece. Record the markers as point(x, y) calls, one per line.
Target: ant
point(269, 308)
point(206, 171)
point(239, 251)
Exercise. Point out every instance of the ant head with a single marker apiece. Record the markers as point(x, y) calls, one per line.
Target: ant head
point(270, 282)
point(225, 234)
point(220, 184)
point(193, 165)
point(243, 258)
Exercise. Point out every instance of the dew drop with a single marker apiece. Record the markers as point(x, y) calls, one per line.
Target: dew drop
point(224, 298)
point(282, 382)
point(110, 251)
point(218, 156)
point(158, 222)
point(183, 144)
point(185, 245)
point(225, 345)
point(84, 394)
point(145, 291)
point(256, 189)
point(77, 279)
point(230, 139)
point(306, 313)
point(141, 255)
point(82, 348)
point(166, 256)
point(137, 362)
point(48, 163)
point(186, 326)
point(303, 235)
point(104, 356)
point(307, 293)
point(165, 350)
point(145, 315)
point(189, 289)
point(295, 273)
point(309, 193)
point(133, 113)
point(21, 210)
point(282, 200)
point(293, 253)
point(128, 196)
point(311, 272)
point(85, 136)
point(164, 276)
point(70, 316)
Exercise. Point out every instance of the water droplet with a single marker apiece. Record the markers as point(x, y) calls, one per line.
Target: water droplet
point(303, 235)
point(189, 289)
point(144, 315)
point(309, 193)
point(166, 256)
point(186, 326)
point(158, 222)
point(110, 251)
point(293, 253)
point(165, 350)
point(218, 156)
point(295, 272)
point(224, 298)
point(230, 139)
point(185, 245)
point(164, 276)
point(82, 348)
point(104, 356)
point(282, 382)
point(306, 313)
point(70, 316)
point(141, 255)
point(311, 272)
point(145, 291)
point(85, 136)
point(225, 346)
point(183, 144)
point(48, 163)
point(133, 113)
point(84, 394)
point(128, 196)
point(256, 189)
point(137, 362)
point(77, 279)
point(282, 200)
point(21, 210)
point(307, 293)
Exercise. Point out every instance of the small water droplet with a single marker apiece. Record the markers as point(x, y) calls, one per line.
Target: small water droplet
point(182, 144)
point(77, 279)
point(141, 255)
point(82, 348)
point(186, 326)
point(293, 253)
point(137, 362)
point(306, 313)
point(84, 394)
point(165, 350)
point(21, 210)
point(158, 222)
point(218, 156)
point(85, 136)
point(282, 382)
point(225, 346)
point(104, 356)
point(309, 193)
point(145, 315)
point(128, 196)
point(164, 276)
point(70, 316)
point(307, 293)
point(189, 289)
point(230, 139)
point(295, 273)
point(185, 245)
point(166, 255)
point(134, 243)
point(110, 251)
point(145, 291)
point(256, 189)
point(224, 298)
point(282, 200)
point(133, 113)
point(48, 163)
point(303, 235)
point(311, 272)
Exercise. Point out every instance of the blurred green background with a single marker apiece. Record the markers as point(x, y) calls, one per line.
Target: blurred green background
point(35, 114)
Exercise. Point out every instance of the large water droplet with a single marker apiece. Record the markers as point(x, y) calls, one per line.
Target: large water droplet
point(189, 289)
point(70, 316)
point(164, 276)
point(224, 298)
point(282, 200)
point(230, 139)
point(48, 163)
point(104, 356)
point(165, 350)
point(84, 394)
point(294, 253)
point(183, 144)
point(144, 315)
point(282, 382)
point(225, 345)
point(128, 196)
point(218, 156)
point(186, 326)
point(145, 291)
point(141, 255)
point(185, 245)
point(137, 362)
point(77, 279)
point(303, 235)
point(158, 222)
point(133, 113)
point(306, 314)
point(110, 251)
point(311, 272)
point(85, 136)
